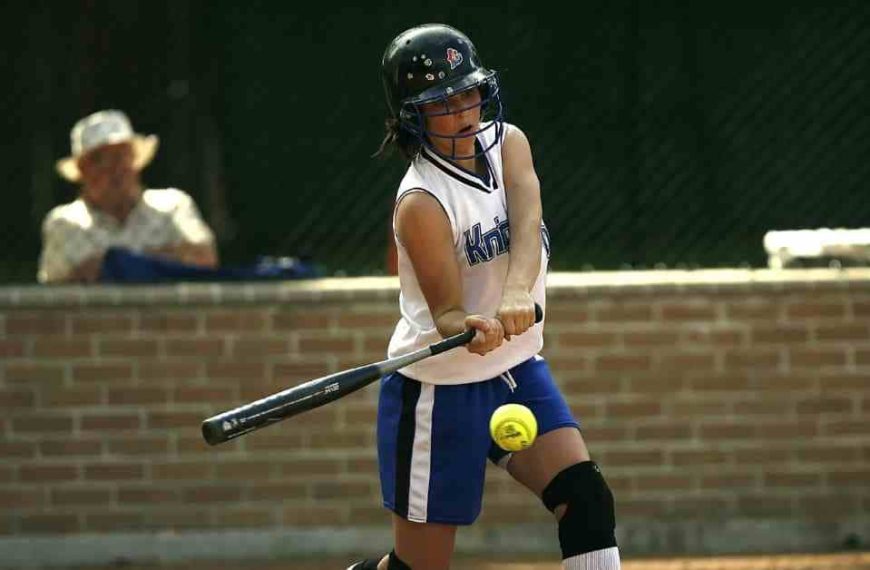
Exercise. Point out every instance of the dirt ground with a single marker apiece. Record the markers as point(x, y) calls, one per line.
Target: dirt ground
point(845, 561)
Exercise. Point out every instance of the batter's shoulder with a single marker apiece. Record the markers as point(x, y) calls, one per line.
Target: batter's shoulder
point(512, 130)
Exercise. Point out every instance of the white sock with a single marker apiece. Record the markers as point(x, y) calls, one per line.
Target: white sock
point(606, 559)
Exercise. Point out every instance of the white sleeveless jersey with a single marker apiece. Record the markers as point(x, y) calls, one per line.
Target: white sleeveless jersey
point(477, 209)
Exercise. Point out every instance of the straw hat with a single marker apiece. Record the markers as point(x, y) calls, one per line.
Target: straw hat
point(102, 128)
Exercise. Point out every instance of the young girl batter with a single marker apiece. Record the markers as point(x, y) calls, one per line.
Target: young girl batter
point(472, 253)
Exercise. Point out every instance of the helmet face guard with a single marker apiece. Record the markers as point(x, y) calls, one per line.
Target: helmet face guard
point(412, 118)
point(430, 64)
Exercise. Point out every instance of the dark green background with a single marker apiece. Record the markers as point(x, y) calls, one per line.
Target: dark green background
point(672, 132)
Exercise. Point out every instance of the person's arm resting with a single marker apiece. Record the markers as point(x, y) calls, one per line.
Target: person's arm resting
point(67, 256)
point(195, 243)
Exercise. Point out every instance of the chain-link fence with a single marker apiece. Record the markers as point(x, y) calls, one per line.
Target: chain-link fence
point(664, 133)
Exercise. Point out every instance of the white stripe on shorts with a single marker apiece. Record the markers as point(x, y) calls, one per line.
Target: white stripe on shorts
point(421, 456)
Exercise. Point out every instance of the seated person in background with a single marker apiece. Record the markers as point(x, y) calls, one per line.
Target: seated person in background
point(113, 209)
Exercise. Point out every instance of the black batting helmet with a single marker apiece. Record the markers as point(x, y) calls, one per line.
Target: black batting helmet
point(433, 62)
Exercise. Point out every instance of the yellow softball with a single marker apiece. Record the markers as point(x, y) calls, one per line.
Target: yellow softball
point(513, 427)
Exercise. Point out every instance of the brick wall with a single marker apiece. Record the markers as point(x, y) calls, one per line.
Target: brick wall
point(719, 401)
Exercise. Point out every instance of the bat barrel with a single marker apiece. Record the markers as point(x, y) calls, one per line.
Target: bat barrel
point(233, 423)
point(212, 432)
point(239, 421)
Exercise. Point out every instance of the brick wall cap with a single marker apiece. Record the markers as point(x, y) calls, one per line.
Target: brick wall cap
point(560, 284)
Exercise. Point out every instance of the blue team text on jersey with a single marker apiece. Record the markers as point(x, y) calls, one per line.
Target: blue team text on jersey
point(482, 247)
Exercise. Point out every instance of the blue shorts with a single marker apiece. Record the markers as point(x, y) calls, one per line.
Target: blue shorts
point(433, 440)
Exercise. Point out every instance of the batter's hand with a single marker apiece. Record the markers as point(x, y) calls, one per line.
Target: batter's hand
point(516, 312)
point(489, 336)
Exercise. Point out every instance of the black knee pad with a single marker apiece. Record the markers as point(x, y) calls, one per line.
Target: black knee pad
point(395, 564)
point(589, 520)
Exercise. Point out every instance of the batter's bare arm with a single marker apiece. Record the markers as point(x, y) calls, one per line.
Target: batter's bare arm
point(523, 191)
point(424, 230)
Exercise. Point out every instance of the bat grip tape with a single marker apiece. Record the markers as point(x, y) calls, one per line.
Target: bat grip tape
point(465, 337)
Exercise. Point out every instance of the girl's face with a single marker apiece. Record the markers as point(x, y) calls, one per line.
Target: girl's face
point(454, 117)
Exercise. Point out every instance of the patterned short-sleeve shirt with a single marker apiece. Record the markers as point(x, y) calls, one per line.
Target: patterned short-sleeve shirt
point(74, 232)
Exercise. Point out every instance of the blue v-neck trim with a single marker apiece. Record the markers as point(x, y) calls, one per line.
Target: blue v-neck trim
point(484, 182)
